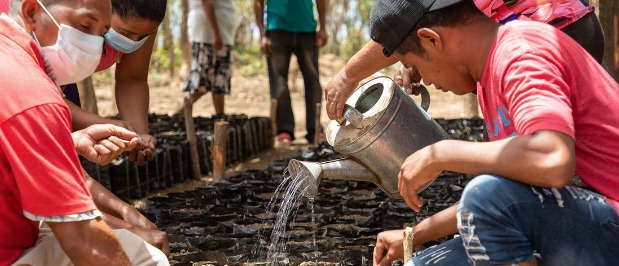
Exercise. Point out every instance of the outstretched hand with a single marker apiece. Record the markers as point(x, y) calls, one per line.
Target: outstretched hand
point(101, 144)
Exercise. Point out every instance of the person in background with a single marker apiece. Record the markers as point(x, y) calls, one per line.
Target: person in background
point(574, 17)
point(128, 44)
point(291, 28)
point(546, 189)
point(40, 176)
point(211, 29)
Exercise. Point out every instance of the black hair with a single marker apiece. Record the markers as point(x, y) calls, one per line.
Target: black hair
point(142, 9)
point(458, 14)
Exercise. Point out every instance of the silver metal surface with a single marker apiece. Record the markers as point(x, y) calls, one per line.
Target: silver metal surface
point(313, 173)
point(402, 128)
point(425, 98)
point(354, 117)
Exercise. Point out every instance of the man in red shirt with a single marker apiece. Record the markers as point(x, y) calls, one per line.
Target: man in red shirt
point(547, 188)
point(40, 176)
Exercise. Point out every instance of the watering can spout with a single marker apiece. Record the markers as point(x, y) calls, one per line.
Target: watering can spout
point(314, 172)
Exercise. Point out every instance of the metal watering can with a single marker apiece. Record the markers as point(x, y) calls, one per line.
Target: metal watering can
point(382, 127)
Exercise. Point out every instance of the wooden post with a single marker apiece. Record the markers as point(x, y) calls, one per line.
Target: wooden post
point(273, 117)
point(220, 144)
point(317, 125)
point(87, 95)
point(191, 137)
point(408, 244)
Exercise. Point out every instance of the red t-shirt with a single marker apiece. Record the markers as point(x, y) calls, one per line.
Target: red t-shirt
point(39, 169)
point(537, 78)
point(4, 6)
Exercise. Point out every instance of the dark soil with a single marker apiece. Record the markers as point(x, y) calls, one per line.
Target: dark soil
point(227, 223)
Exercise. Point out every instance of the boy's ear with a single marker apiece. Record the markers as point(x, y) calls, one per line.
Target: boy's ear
point(430, 39)
point(28, 12)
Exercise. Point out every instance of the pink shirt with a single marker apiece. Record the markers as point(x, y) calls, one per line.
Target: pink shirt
point(538, 78)
point(109, 57)
point(558, 13)
point(4, 6)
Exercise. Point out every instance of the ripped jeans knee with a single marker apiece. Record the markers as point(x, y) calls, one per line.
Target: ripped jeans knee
point(507, 222)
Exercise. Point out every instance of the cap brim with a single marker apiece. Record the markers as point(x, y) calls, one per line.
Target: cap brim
point(439, 4)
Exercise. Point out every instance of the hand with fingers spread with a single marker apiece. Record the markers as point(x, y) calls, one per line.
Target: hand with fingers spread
point(337, 91)
point(145, 151)
point(408, 78)
point(389, 247)
point(103, 143)
point(418, 169)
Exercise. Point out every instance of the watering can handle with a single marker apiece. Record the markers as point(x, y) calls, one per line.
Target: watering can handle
point(425, 97)
point(351, 115)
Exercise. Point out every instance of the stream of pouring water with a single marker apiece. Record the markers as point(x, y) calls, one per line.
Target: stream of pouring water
point(311, 202)
point(289, 205)
point(269, 209)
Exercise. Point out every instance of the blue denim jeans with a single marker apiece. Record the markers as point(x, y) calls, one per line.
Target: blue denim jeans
point(503, 222)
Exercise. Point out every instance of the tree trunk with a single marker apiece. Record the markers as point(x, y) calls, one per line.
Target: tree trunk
point(609, 11)
point(87, 95)
point(184, 41)
point(169, 41)
point(337, 24)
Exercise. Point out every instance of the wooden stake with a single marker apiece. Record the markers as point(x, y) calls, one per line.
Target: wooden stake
point(273, 120)
point(317, 125)
point(191, 137)
point(220, 142)
point(408, 244)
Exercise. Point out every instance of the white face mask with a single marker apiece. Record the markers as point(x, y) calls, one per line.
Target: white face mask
point(75, 56)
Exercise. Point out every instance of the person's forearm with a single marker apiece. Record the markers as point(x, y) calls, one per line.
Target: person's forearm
point(544, 159)
point(81, 118)
point(436, 226)
point(259, 13)
point(367, 61)
point(209, 10)
point(132, 98)
point(105, 200)
point(115, 222)
point(89, 242)
point(321, 5)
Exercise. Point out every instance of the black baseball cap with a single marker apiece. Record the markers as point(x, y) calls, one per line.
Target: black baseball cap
point(392, 20)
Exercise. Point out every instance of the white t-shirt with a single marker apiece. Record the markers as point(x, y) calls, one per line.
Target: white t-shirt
point(199, 28)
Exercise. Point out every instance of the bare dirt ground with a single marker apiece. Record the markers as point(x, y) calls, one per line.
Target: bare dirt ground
point(250, 96)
